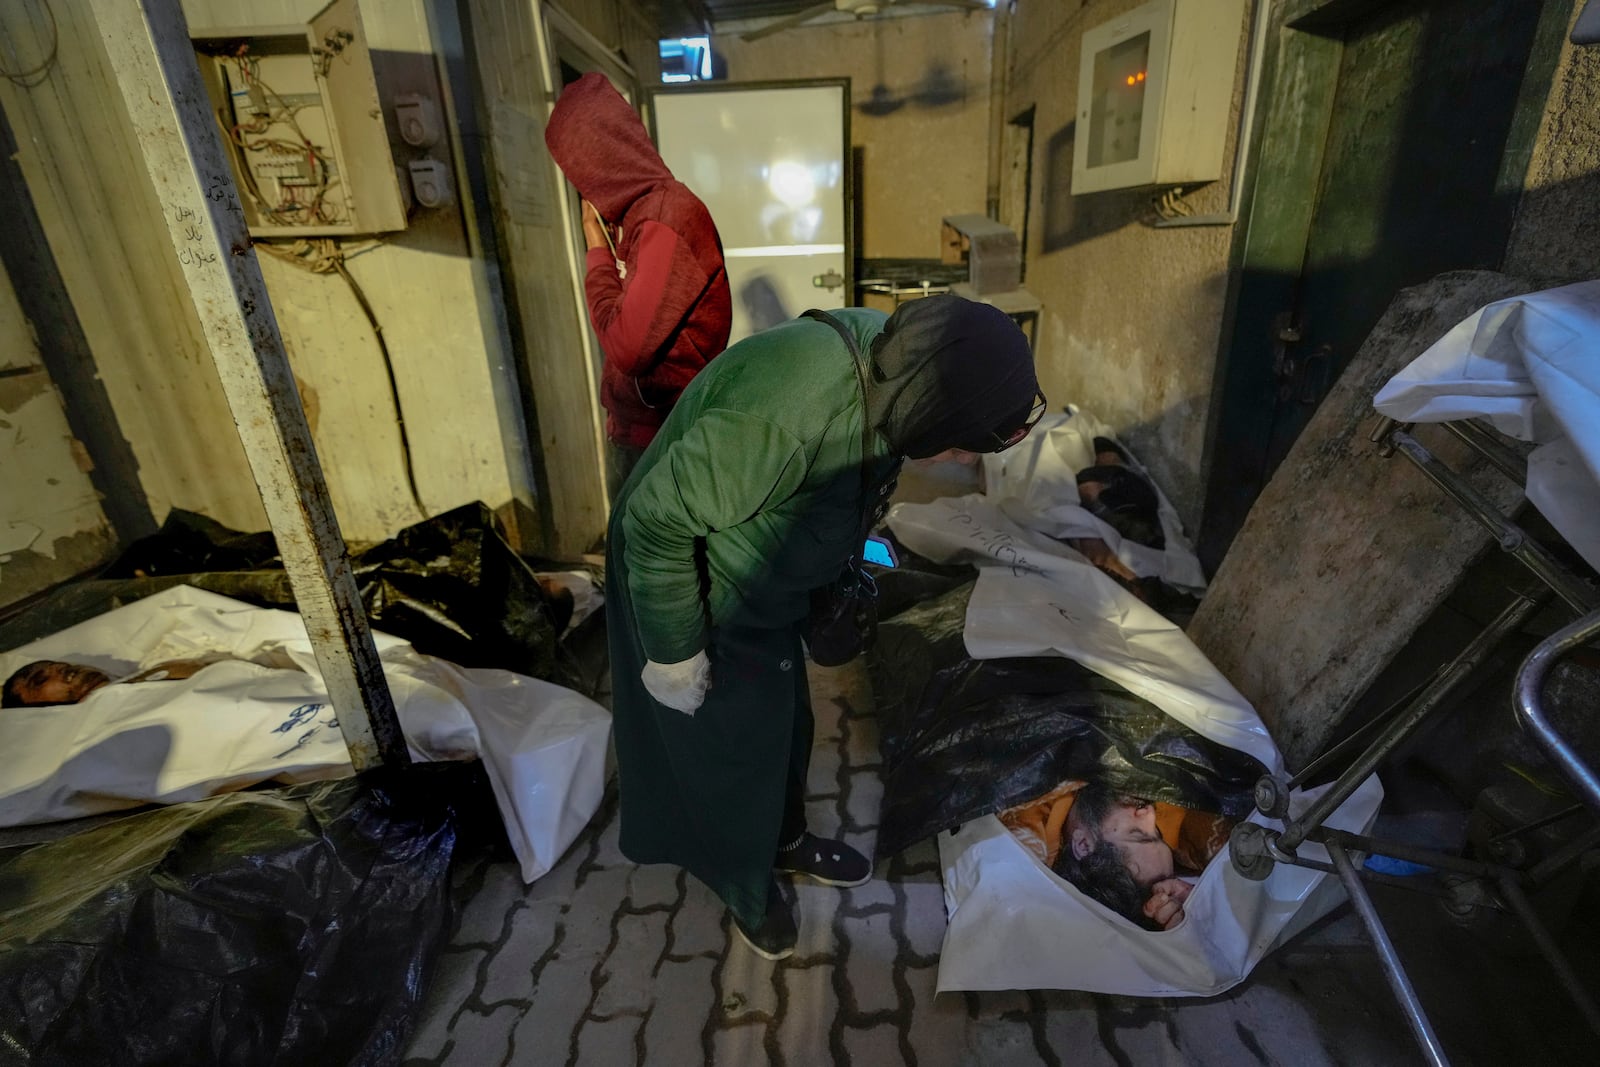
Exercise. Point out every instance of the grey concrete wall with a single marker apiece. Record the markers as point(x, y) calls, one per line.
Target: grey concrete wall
point(1557, 232)
point(1131, 313)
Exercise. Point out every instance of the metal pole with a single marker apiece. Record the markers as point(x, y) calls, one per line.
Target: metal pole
point(1489, 447)
point(1511, 537)
point(1310, 771)
point(1416, 883)
point(1525, 701)
point(1396, 850)
point(1537, 824)
point(1520, 608)
point(1000, 36)
point(148, 45)
point(1388, 959)
point(1518, 901)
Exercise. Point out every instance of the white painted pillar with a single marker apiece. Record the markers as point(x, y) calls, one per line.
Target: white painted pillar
point(147, 42)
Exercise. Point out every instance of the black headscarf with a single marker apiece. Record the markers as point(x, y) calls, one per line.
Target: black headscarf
point(949, 373)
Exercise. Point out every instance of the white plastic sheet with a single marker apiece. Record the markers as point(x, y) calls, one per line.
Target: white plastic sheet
point(1036, 484)
point(1015, 924)
point(261, 713)
point(1036, 597)
point(1531, 366)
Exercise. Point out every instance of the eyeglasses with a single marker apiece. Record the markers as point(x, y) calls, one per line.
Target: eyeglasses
point(1015, 437)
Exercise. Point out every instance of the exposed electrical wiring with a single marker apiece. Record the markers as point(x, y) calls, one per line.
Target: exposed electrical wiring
point(287, 208)
point(36, 74)
point(327, 256)
point(1171, 205)
point(333, 44)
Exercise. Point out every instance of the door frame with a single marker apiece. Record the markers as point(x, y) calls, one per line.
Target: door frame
point(1302, 60)
point(848, 173)
point(566, 40)
point(561, 28)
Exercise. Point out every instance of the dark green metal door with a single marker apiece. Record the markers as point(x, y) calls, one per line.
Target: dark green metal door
point(1424, 97)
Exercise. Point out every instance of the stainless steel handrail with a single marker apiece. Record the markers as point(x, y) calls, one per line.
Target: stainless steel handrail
point(1526, 702)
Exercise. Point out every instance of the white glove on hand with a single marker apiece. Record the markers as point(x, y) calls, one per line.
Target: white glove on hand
point(680, 686)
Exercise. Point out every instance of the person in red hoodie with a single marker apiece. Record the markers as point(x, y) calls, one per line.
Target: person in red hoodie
point(656, 285)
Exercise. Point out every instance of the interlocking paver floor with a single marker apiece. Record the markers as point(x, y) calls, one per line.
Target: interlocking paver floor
point(603, 962)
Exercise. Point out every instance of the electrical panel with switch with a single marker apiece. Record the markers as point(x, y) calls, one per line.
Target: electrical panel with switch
point(301, 119)
point(1155, 91)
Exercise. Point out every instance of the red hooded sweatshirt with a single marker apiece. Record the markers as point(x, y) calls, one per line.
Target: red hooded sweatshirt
point(667, 311)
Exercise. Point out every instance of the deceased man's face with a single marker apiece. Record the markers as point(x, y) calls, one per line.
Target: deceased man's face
point(1131, 829)
point(61, 683)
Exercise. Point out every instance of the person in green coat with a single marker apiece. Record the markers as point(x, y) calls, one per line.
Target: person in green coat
point(752, 496)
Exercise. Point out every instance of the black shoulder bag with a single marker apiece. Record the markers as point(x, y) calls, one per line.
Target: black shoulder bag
point(844, 614)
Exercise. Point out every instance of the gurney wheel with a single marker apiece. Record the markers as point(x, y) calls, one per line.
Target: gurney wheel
point(1247, 849)
point(1272, 797)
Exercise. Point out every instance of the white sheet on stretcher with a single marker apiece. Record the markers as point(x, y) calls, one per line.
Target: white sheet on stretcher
point(1014, 924)
point(1531, 366)
point(262, 714)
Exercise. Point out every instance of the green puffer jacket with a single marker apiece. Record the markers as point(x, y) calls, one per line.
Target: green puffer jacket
point(757, 471)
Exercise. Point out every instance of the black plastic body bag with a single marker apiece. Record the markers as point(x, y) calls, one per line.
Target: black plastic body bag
point(450, 585)
point(289, 926)
point(963, 738)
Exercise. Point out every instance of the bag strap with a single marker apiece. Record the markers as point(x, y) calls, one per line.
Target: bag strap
point(861, 383)
point(869, 506)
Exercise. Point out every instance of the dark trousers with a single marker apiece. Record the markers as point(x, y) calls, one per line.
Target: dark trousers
point(794, 797)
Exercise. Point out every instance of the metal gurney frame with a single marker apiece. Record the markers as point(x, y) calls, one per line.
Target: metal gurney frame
point(1255, 849)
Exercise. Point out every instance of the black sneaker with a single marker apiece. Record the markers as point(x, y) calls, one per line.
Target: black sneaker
point(824, 860)
point(775, 938)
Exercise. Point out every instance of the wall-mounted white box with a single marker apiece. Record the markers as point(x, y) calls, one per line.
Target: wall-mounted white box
point(418, 119)
point(303, 126)
point(430, 183)
point(1155, 92)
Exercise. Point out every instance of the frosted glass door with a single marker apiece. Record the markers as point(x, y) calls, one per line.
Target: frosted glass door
point(771, 165)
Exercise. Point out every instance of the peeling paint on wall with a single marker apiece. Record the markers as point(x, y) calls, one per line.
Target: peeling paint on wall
point(51, 525)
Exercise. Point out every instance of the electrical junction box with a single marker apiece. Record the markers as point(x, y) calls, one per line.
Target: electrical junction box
point(1155, 92)
point(301, 120)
